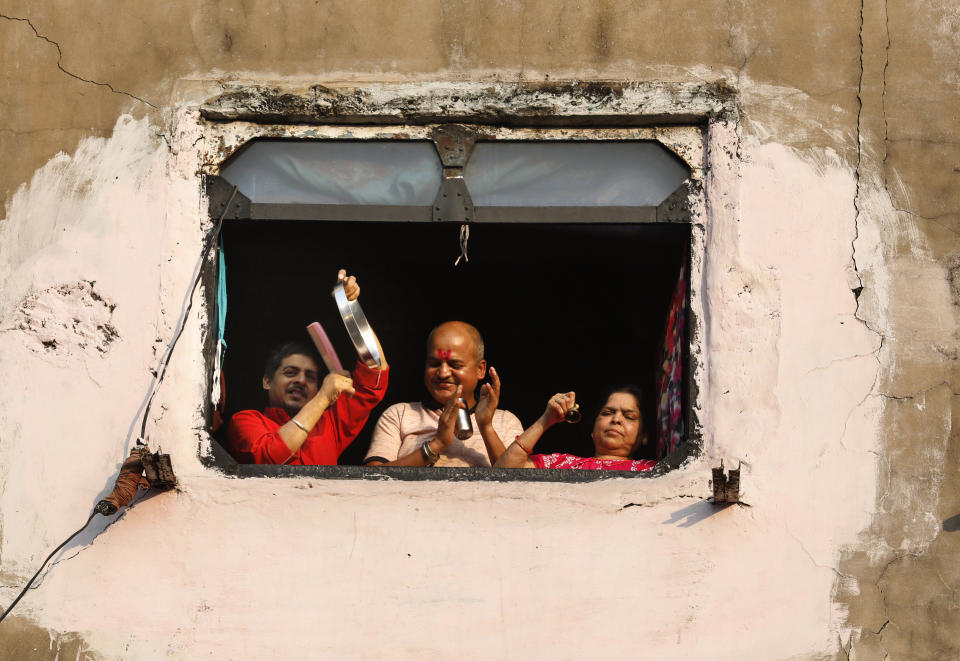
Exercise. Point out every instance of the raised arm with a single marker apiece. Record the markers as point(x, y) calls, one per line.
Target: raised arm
point(253, 438)
point(517, 455)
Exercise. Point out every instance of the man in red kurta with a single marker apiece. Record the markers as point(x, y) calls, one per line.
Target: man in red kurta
point(303, 423)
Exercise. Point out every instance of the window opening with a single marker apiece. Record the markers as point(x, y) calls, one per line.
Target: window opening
point(576, 254)
point(561, 307)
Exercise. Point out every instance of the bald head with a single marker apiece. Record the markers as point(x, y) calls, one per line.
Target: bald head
point(454, 358)
point(450, 328)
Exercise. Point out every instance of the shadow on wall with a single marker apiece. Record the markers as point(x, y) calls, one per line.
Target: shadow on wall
point(690, 515)
point(952, 524)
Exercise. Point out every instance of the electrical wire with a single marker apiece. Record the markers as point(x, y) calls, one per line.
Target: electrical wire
point(161, 371)
point(34, 577)
point(165, 360)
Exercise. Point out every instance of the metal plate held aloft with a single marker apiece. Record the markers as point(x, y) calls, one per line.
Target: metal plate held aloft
point(358, 328)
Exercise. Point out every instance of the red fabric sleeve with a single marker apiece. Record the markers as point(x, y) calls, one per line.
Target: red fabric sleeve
point(253, 439)
point(341, 423)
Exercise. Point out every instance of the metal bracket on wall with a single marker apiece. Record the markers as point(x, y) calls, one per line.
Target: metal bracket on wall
point(726, 487)
point(453, 203)
point(158, 470)
point(676, 208)
point(454, 144)
point(218, 194)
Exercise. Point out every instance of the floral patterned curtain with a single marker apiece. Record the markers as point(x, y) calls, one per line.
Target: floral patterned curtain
point(670, 375)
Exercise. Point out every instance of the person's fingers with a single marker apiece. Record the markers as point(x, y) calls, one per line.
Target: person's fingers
point(351, 288)
point(345, 385)
point(453, 403)
point(495, 381)
point(559, 403)
point(341, 275)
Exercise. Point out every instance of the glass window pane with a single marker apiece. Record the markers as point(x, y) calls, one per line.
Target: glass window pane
point(337, 172)
point(515, 174)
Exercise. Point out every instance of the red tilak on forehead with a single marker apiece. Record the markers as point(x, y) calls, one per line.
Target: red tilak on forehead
point(443, 354)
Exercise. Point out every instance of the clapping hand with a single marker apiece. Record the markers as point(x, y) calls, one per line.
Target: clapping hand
point(448, 418)
point(488, 399)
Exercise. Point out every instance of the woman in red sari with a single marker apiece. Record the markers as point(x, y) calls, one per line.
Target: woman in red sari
point(617, 433)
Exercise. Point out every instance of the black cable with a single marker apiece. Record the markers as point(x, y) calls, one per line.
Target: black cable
point(165, 361)
point(34, 577)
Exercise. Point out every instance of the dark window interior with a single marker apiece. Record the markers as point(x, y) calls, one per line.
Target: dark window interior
point(561, 307)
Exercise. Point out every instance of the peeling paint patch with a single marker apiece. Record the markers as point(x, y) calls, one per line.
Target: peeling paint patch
point(66, 318)
point(24, 640)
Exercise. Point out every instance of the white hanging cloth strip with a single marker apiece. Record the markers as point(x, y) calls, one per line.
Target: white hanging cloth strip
point(464, 239)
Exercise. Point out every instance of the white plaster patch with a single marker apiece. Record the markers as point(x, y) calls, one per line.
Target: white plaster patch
point(87, 251)
point(67, 318)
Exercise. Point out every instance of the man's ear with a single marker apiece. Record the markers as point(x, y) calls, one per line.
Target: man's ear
point(481, 369)
point(266, 383)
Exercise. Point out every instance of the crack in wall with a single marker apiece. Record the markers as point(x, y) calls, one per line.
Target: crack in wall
point(883, 97)
point(921, 392)
point(70, 73)
point(856, 172)
point(858, 290)
point(844, 359)
point(932, 219)
point(838, 574)
point(883, 597)
point(665, 499)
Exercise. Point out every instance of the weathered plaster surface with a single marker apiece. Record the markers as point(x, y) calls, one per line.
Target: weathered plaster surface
point(842, 174)
point(480, 555)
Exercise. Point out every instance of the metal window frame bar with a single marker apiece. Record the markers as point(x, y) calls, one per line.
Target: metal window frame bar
point(672, 210)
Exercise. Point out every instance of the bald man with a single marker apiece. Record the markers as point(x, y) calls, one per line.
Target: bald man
point(421, 433)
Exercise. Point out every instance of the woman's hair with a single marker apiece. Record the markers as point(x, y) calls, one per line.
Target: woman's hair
point(278, 353)
point(637, 392)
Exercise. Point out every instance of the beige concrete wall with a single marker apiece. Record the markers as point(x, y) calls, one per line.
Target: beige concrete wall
point(844, 176)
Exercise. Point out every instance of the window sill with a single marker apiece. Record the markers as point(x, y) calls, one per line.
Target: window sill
point(413, 474)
